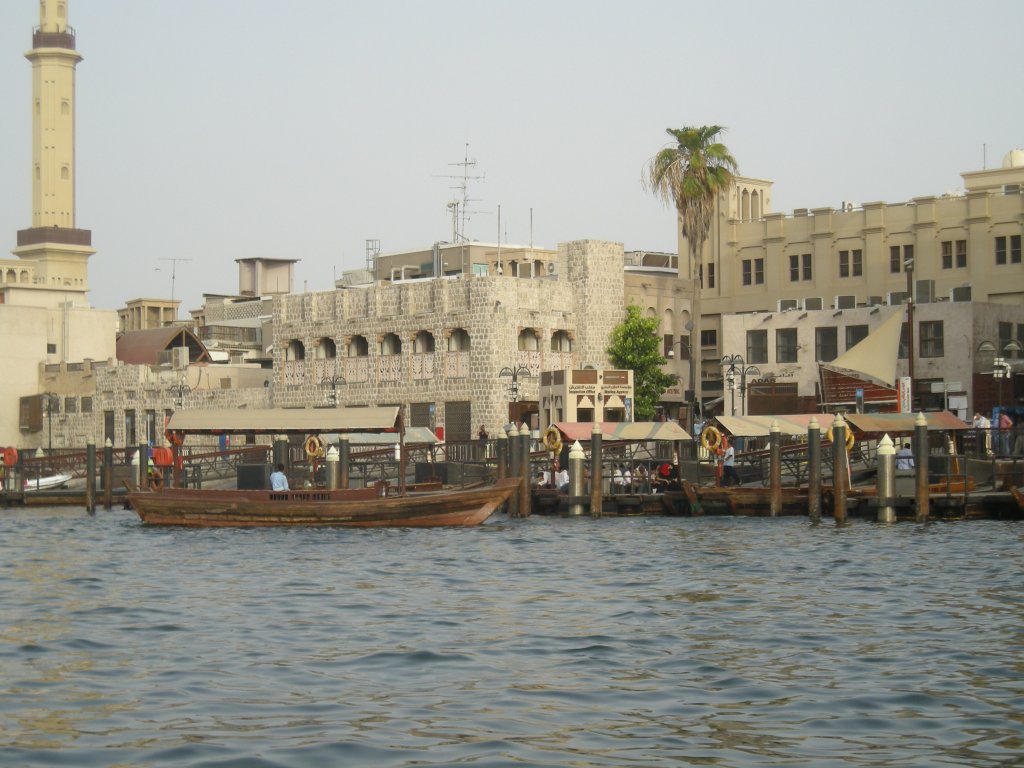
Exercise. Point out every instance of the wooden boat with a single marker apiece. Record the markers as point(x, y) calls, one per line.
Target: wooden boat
point(354, 508)
point(1018, 496)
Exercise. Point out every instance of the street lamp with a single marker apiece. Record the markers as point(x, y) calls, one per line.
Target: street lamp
point(515, 372)
point(49, 419)
point(737, 367)
point(333, 382)
point(178, 391)
point(1000, 365)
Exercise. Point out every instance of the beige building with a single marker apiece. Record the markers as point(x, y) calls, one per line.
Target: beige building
point(962, 246)
point(45, 318)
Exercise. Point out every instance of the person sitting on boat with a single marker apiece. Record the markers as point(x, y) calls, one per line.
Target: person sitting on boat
point(561, 478)
point(278, 479)
point(904, 457)
point(617, 478)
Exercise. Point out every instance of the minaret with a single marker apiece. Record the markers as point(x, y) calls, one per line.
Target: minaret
point(60, 250)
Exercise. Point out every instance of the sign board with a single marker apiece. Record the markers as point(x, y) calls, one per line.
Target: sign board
point(904, 394)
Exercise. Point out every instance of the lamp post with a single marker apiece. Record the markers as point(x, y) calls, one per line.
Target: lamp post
point(1000, 365)
point(178, 390)
point(514, 391)
point(908, 267)
point(49, 420)
point(737, 367)
point(333, 382)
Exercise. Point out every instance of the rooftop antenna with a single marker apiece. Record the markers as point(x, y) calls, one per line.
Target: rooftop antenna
point(460, 209)
point(174, 270)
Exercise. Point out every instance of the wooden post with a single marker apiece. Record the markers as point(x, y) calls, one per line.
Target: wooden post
point(142, 454)
point(90, 478)
point(596, 478)
point(524, 446)
point(839, 469)
point(814, 471)
point(775, 468)
point(108, 474)
point(501, 454)
point(344, 459)
point(886, 484)
point(921, 466)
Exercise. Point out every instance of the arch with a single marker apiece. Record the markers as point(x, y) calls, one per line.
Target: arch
point(358, 346)
point(529, 340)
point(561, 341)
point(61, 11)
point(458, 340)
point(668, 322)
point(423, 342)
point(65, 107)
point(65, 173)
point(390, 344)
point(12, 276)
point(326, 349)
point(744, 206)
point(755, 205)
point(295, 350)
point(652, 312)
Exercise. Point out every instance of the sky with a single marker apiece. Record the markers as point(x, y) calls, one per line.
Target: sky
point(213, 130)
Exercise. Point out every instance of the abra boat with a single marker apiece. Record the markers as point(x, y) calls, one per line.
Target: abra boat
point(354, 508)
point(372, 506)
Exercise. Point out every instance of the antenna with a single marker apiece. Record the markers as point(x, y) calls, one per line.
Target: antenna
point(174, 270)
point(460, 210)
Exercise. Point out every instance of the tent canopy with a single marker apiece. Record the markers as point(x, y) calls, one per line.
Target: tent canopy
point(874, 357)
point(863, 423)
point(900, 423)
point(760, 426)
point(623, 430)
point(304, 421)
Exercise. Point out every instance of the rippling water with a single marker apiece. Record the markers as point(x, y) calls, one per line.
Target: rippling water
point(545, 642)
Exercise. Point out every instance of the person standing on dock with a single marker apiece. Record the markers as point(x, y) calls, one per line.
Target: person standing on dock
point(981, 433)
point(904, 457)
point(729, 474)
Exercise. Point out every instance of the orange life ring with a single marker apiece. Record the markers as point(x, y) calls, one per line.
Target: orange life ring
point(162, 457)
point(314, 447)
point(850, 439)
point(10, 456)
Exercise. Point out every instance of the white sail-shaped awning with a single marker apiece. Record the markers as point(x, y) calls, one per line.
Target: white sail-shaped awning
point(874, 357)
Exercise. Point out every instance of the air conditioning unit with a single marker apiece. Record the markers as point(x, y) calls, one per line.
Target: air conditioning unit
point(179, 358)
point(924, 291)
point(963, 293)
point(845, 302)
point(785, 305)
point(897, 297)
point(874, 301)
point(814, 302)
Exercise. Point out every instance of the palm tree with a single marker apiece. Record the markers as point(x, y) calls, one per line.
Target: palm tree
point(689, 176)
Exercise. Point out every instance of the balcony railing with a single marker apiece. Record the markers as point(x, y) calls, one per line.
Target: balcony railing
point(65, 39)
point(65, 235)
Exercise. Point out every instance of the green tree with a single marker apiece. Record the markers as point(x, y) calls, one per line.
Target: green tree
point(635, 345)
point(689, 174)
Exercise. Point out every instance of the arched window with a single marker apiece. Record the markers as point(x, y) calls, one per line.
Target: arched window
point(391, 344)
point(65, 172)
point(423, 342)
point(561, 342)
point(358, 347)
point(326, 349)
point(745, 206)
point(65, 107)
point(295, 351)
point(458, 341)
point(755, 205)
point(529, 341)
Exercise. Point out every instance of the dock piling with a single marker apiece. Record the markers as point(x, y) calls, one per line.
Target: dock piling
point(814, 471)
point(775, 468)
point(921, 466)
point(596, 479)
point(886, 480)
point(576, 489)
point(839, 471)
point(524, 446)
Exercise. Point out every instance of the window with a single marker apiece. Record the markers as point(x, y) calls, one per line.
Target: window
point(480, 270)
point(954, 252)
point(808, 271)
point(785, 345)
point(799, 267)
point(129, 428)
point(826, 344)
point(753, 271)
point(51, 349)
point(759, 271)
point(747, 272)
point(855, 334)
point(851, 263)
point(70, 405)
point(757, 346)
point(709, 338)
point(899, 256)
point(1014, 249)
point(794, 268)
point(931, 338)
point(86, 404)
point(711, 275)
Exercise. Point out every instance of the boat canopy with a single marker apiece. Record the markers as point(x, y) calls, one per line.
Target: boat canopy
point(288, 421)
point(903, 423)
point(862, 423)
point(637, 431)
point(760, 426)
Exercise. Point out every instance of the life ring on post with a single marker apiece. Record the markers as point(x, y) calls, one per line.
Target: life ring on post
point(850, 439)
point(553, 439)
point(10, 455)
point(710, 438)
point(314, 447)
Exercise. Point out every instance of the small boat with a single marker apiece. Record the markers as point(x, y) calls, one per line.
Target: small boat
point(47, 483)
point(353, 508)
point(375, 505)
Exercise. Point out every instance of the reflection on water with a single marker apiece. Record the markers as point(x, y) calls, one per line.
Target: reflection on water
point(717, 641)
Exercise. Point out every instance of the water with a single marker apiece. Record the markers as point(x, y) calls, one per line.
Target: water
point(545, 642)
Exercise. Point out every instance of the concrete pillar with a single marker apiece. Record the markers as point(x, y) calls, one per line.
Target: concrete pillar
point(886, 480)
point(576, 485)
point(596, 479)
point(839, 476)
point(501, 454)
point(814, 471)
point(524, 446)
point(332, 468)
point(921, 466)
point(90, 477)
point(775, 468)
point(344, 461)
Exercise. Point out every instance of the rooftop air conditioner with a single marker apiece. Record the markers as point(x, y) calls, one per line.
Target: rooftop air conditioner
point(963, 293)
point(924, 291)
point(814, 302)
point(874, 301)
point(897, 297)
point(179, 358)
point(845, 302)
point(785, 305)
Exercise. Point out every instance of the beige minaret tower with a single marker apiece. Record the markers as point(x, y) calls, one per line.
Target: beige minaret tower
point(59, 250)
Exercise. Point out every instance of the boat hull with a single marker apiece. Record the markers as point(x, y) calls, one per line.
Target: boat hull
point(357, 508)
